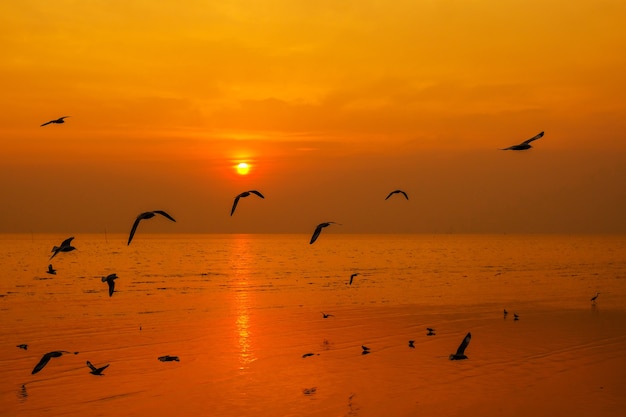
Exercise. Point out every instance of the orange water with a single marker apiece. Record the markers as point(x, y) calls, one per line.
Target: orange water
point(241, 310)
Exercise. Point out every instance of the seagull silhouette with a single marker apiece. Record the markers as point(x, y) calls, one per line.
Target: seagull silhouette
point(352, 277)
point(169, 358)
point(57, 121)
point(318, 230)
point(397, 191)
point(96, 371)
point(51, 270)
point(65, 247)
point(524, 145)
point(146, 215)
point(244, 194)
point(460, 352)
point(46, 358)
point(110, 280)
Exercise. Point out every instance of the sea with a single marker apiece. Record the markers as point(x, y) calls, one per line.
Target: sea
point(270, 325)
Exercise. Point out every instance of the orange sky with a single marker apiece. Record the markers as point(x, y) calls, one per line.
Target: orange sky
point(333, 103)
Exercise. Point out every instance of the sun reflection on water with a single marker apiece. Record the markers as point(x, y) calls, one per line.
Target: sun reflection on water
point(240, 261)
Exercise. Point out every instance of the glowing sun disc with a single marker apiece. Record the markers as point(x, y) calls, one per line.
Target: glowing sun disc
point(243, 168)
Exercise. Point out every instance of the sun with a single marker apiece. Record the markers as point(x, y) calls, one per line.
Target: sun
point(242, 168)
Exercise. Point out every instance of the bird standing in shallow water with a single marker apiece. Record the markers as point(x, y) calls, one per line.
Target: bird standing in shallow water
point(57, 121)
point(46, 358)
point(146, 215)
point(244, 194)
point(110, 280)
point(460, 352)
point(595, 297)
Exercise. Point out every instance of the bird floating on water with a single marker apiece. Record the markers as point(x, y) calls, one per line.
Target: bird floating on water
point(57, 121)
point(306, 355)
point(51, 270)
point(365, 351)
point(595, 297)
point(65, 247)
point(524, 145)
point(352, 277)
point(244, 194)
point(397, 192)
point(110, 280)
point(411, 345)
point(169, 358)
point(144, 216)
point(46, 358)
point(23, 346)
point(325, 315)
point(318, 230)
point(506, 313)
point(431, 331)
point(460, 352)
point(96, 371)
point(515, 317)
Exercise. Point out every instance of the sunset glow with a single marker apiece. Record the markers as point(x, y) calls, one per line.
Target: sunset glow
point(243, 168)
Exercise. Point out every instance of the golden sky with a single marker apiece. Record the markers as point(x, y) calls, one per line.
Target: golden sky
point(333, 104)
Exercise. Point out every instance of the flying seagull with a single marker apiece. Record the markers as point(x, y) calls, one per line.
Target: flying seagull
point(46, 358)
point(146, 215)
point(595, 297)
point(352, 277)
point(397, 191)
point(244, 194)
point(51, 270)
point(65, 247)
point(96, 371)
point(23, 346)
point(524, 145)
point(57, 121)
point(110, 280)
point(169, 358)
point(318, 230)
point(460, 352)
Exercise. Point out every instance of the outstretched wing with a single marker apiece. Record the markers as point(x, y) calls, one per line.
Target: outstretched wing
point(538, 136)
point(67, 242)
point(464, 344)
point(111, 286)
point(390, 194)
point(47, 123)
point(316, 233)
point(43, 362)
point(257, 193)
point(134, 229)
point(93, 368)
point(404, 194)
point(164, 214)
point(232, 210)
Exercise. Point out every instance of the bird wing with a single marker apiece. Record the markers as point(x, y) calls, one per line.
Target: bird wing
point(464, 344)
point(538, 136)
point(164, 214)
point(390, 194)
point(257, 193)
point(43, 362)
point(93, 368)
point(55, 250)
point(67, 242)
point(111, 286)
point(405, 196)
point(132, 231)
point(316, 233)
point(232, 210)
point(47, 123)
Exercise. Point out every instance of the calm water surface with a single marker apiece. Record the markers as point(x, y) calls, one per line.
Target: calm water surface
point(241, 310)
